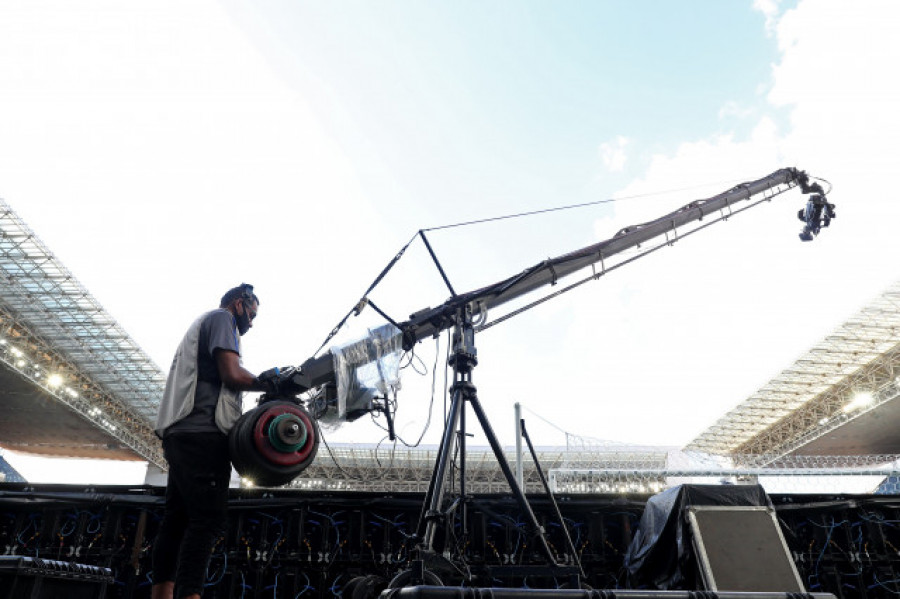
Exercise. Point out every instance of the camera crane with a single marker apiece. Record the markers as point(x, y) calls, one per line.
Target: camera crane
point(278, 439)
point(431, 322)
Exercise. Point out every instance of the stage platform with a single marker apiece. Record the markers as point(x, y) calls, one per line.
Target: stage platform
point(288, 543)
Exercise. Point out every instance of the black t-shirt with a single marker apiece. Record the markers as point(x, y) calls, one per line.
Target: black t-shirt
point(217, 332)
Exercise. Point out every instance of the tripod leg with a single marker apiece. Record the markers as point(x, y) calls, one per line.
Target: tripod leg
point(435, 495)
point(511, 479)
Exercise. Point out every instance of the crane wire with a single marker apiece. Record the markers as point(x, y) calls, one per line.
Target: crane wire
point(571, 206)
point(358, 307)
point(539, 417)
point(595, 275)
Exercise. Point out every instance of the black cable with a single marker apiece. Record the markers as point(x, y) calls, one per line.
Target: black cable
point(334, 460)
point(830, 186)
point(349, 476)
point(412, 355)
point(378, 459)
point(430, 404)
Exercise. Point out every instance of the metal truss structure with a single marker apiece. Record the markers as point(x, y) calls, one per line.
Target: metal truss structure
point(54, 334)
point(851, 372)
point(617, 470)
point(373, 469)
point(801, 474)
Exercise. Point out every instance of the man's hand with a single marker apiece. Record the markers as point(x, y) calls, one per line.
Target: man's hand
point(270, 381)
point(278, 383)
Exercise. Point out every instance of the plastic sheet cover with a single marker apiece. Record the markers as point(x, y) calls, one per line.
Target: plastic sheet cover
point(661, 555)
point(365, 369)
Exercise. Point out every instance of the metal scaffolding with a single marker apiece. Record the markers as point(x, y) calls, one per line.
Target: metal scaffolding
point(369, 468)
point(56, 335)
point(849, 373)
point(615, 469)
point(373, 469)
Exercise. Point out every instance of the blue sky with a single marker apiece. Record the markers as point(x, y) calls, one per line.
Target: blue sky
point(167, 151)
point(512, 99)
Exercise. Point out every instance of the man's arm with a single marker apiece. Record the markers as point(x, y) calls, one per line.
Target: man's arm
point(233, 374)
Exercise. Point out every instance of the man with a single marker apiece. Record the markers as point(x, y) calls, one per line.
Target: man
point(201, 402)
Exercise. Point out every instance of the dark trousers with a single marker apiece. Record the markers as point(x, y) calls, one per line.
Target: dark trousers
point(196, 506)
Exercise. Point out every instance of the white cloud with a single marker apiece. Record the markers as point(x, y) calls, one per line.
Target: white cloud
point(720, 314)
point(735, 110)
point(613, 154)
point(835, 76)
point(769, 9)
point(672, 321)
point(697, 169)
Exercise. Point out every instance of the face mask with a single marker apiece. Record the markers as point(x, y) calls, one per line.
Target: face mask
point(243, 321)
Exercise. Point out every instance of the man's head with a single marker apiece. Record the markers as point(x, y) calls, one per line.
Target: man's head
point(243, 305)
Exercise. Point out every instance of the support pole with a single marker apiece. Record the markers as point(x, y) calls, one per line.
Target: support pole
point(520, 473)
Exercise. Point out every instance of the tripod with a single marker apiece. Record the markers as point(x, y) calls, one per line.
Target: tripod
point(463, 360)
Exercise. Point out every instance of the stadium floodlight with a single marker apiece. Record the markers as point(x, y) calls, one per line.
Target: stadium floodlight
point(864, 398)
point(860, 400)
point(54, 381)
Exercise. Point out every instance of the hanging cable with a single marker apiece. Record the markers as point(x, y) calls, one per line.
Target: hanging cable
point(430, 404)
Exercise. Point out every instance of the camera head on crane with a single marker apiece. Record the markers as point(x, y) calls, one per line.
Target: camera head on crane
point(817, 214)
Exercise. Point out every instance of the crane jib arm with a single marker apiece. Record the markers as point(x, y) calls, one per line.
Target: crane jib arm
point(430, 322)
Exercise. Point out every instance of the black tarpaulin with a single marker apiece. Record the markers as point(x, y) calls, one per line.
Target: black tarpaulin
point(660, 555)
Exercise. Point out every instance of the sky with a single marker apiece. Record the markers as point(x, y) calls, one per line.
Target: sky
point(166, 151)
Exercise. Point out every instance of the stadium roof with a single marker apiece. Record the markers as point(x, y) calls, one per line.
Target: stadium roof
point(75, 382)
point(840, 398)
